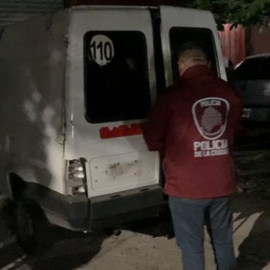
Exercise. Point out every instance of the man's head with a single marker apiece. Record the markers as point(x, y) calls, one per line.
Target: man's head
point(191, 55)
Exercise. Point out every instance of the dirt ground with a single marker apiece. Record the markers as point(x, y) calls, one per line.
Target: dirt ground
point(147, 245)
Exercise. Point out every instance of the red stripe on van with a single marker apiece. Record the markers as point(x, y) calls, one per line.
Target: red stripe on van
point(120, 131)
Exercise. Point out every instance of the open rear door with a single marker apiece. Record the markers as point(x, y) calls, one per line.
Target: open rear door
point(182, 25)
point(111, 82)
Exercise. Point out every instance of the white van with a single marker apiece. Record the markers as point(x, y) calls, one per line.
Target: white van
point(75, 87)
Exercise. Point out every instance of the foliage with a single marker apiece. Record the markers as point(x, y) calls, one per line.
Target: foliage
point(245, 12)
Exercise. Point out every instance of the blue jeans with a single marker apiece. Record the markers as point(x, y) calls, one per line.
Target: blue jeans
point(189, 217)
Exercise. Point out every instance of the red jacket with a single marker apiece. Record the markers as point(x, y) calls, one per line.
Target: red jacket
point(192, 124)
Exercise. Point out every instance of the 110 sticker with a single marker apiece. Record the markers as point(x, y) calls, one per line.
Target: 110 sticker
point(101, 50)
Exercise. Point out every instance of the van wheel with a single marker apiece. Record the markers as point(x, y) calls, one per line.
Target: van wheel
point(6, 214)
point(28, 227)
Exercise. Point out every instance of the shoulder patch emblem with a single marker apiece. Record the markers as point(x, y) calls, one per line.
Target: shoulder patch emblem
point(210, 116)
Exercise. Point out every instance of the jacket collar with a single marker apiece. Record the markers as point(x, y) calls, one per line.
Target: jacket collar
point(196, 71)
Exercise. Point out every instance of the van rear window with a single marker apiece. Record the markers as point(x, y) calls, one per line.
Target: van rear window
point(200, 36)
point(116, 81)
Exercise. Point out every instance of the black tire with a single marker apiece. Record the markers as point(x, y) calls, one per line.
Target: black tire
point(29, 226)
point(6, 214)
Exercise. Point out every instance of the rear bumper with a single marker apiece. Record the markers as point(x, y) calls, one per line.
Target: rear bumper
point(81, 213)
point(126, 206)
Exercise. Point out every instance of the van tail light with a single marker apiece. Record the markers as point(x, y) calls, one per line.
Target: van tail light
point(76, 177)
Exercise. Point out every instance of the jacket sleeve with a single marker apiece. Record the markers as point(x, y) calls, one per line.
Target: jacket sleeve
point(154, 129)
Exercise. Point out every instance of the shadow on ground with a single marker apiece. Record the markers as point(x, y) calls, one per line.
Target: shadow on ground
point(70, 250)
point(254, 251)
point(160, 226)
point(66, 250)
point(253, 219)
point(11, 257)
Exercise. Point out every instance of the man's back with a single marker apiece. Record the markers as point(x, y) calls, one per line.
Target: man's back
point(192, 125)
point(200, 122)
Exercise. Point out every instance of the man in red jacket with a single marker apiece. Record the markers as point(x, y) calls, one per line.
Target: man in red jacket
point(192, 125)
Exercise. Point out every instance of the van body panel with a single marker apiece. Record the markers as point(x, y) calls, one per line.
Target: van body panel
point(137, 167)
point(32, 63)
point(118, 163)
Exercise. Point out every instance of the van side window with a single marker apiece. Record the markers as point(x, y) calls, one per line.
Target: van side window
point(201, 36)
point(116, 81)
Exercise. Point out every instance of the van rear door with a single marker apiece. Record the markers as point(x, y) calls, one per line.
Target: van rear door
point(181, 25)
point(112, 85)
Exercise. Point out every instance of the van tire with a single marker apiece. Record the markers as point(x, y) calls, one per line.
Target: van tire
point(6, 213)
point(28, 226)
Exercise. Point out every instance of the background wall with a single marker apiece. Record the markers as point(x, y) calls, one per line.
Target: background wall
point(233, 43)
point(259, 40)
point(12, 11)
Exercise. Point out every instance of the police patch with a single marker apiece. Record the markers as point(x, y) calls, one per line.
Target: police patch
point(210, 116)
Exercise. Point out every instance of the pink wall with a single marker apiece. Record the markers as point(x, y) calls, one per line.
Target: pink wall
point(233, 43)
